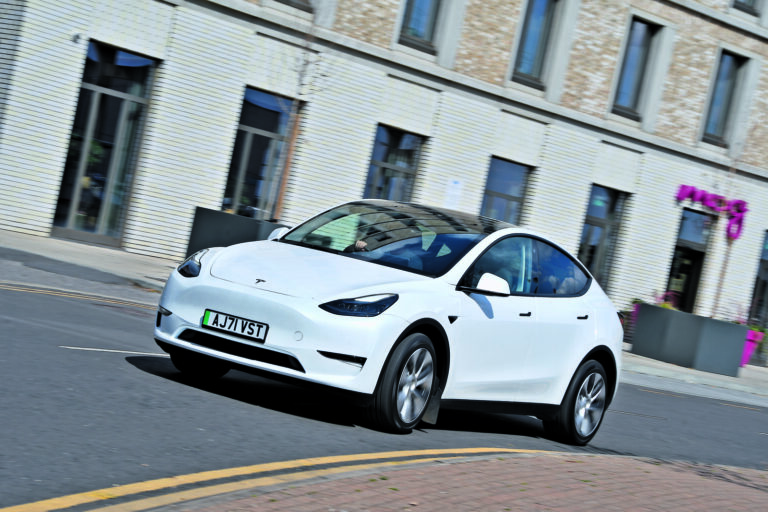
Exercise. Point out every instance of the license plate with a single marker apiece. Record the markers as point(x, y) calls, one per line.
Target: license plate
point(235, 325)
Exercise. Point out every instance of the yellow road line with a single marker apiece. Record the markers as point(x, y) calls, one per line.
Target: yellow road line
point(741, 406)
point(660, 393)
point(73, 295)
point(205, 492)
point(165, 483)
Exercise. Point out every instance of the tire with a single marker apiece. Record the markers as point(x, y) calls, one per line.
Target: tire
point(198, 366)
point(406, 385)
point(583, 408)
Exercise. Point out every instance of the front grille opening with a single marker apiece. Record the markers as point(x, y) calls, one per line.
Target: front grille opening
point(234, 348)
point(358, 360)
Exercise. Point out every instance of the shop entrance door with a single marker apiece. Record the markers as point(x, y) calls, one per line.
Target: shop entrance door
point(688, 261)
point(99, 168)
point(684, 277)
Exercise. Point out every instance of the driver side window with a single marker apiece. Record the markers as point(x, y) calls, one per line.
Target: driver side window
point(510, 259)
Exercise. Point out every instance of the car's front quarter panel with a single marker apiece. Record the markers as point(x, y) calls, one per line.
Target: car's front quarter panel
point(297, 327)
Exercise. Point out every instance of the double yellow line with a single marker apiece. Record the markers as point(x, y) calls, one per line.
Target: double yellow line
point(206, 487)
point(72, 295)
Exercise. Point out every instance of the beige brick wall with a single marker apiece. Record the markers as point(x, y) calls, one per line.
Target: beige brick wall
point(597, 47)
point(487, 38)
point(373, 22)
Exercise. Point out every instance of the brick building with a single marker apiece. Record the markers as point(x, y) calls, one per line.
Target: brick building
point(631, 131)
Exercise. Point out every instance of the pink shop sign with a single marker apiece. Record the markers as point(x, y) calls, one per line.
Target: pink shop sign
point(735, 208)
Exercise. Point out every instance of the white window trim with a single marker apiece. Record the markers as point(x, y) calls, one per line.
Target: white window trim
point(736, 129)
point(448, 27)
point(659, 57)
point(556, 63)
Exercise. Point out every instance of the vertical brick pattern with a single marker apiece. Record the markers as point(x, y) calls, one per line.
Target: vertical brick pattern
point(594, 56)
point(373, 21)
point(594, 63)
point(486, 39)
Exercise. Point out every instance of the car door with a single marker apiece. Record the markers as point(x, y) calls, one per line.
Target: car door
point(566, 324)
point(492, 332)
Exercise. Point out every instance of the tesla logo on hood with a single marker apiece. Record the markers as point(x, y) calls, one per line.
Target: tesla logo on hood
point(260, 281)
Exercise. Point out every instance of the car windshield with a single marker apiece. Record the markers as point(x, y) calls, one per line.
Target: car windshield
point(416, 238)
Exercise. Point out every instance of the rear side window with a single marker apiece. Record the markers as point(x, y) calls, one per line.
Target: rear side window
point(556, 273)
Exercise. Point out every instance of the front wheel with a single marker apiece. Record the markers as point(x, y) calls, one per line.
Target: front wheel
point(405, 387)
point(583, 406)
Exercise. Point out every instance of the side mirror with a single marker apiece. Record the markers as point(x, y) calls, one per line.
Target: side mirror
point(277, 233)
point(492, 283)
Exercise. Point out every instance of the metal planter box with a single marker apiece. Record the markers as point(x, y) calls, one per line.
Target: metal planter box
point(688, 340)
point(213, 228)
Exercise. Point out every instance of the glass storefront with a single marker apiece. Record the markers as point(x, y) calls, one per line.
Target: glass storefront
point(254, 174)
point(103, 144)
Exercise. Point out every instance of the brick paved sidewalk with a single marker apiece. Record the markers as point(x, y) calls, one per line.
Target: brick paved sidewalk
point(558, 481)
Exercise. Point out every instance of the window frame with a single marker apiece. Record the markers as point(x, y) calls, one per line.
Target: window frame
point(509, 198)
point(378, 168)
point(611, 226)
point(743, 6)
point(643, 83)
point(277, 142)
point(425, 45)
point(734, 101)
point(302, 5)
point(537, 81)
point(467, 278)
point(758, 307)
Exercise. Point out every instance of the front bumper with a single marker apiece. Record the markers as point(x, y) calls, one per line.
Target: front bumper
point(303, 342)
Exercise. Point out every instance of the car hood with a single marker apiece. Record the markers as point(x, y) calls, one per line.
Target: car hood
point(302, 272)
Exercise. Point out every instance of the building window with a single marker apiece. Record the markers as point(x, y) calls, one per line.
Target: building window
point(254, 177)
point(103, 145)
point(394, 163)
point(685, 272)
point(758, 311)
point(419, 22)
point(304, 5)
point(721, 105)
point(632, 79)
point(601, 229)
point(749, 6)
point(534, 42)
point(504, 190)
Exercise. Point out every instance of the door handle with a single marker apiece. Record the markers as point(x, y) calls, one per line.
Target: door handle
point(582, 317)
point(525, 314)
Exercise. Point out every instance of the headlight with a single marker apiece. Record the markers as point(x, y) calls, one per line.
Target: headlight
point(191, 266)
point(371, 305)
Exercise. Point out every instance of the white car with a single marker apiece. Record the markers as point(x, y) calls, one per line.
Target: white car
point(410, 307)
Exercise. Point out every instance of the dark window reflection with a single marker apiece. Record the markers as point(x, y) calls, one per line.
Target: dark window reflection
point(721, 103)
point(556, 274)
point(116, 69)
point(534, 42)
point(504, 190)
point(254, 176)
point(394, 162)
point(600, 232)
point(419, 21)
point(633, 69)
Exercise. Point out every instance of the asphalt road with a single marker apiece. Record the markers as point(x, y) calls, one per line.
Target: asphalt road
point(88, 401)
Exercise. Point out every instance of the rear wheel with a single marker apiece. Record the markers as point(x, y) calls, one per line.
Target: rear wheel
point(405, 388)
point(583, 407)
point(198, 366)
